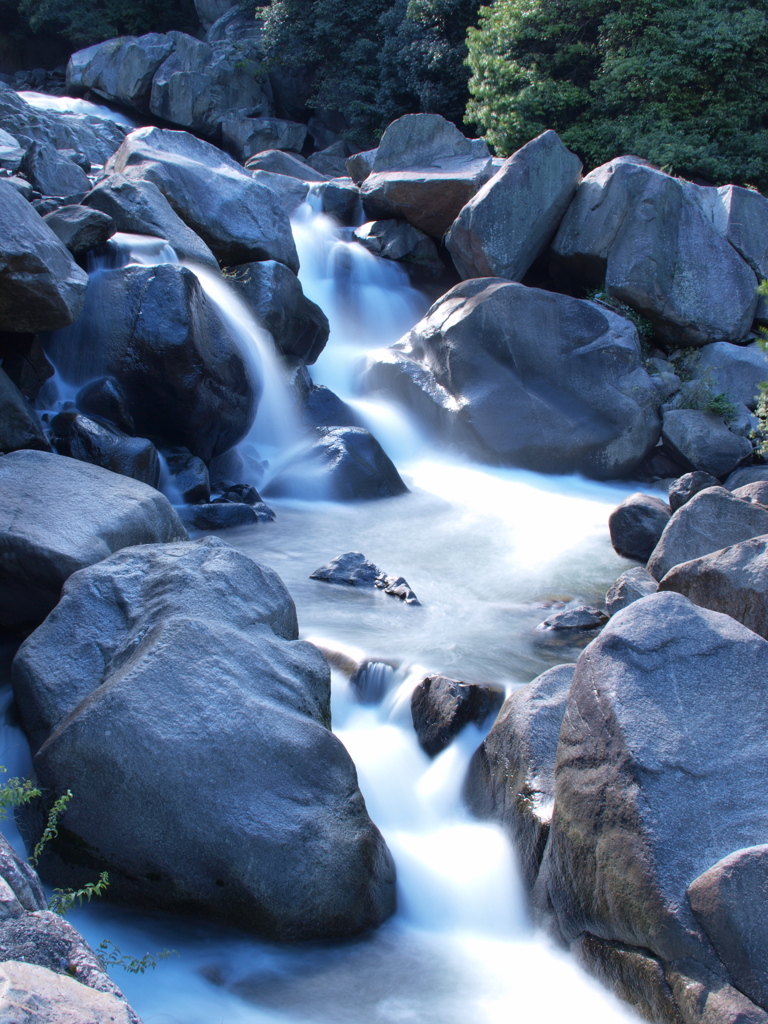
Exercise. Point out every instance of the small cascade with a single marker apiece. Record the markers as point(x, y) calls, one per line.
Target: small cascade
point(73, 105)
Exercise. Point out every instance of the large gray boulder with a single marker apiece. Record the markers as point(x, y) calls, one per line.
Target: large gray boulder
point(19, 424)
point(511, 220)
point(41, 286)
point(58, 515)
point(740, 215)
point(120, 69)
point(526, 377)
point(198, 84)
point(139, 207)
point(155, 331)
point(735, 370)
point(733, 580)
point(244, 135)
point(53, 174)
point(274, 835)
point(637, 524)
point(711, 520)
point(702, 441)
point(659, 774)
point(11, 153)
point(235, 216)
point(511, 776)
point(642, 235)
point(424, 172)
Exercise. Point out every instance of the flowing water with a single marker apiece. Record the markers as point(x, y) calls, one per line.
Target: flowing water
point(489, 552)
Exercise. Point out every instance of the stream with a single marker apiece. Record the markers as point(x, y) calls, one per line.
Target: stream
point(488, 552)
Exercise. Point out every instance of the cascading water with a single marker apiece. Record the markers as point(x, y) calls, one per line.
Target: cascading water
point(72, 105)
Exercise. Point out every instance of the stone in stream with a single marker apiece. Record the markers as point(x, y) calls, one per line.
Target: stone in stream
point(289, 164)
point(79, 228)
point(637, 524)
point(702, 441)
point(41, 286)
point(340, 199)
point(120, 69)
point(354, 570)
point(189, 475)
point(360, 165)
point(397, 240)
point(441, 707)
point(578, 620)
point(58, 515)
point(106, 400)
point(19, 424)
point(632, 585)
point(332, 160)
point(289, 192)
point(80, 437)
point(273, 836)
point(218, 516)
point(684, 488)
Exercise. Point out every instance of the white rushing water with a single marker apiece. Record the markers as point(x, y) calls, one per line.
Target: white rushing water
point(488, 552)
point(73, 105)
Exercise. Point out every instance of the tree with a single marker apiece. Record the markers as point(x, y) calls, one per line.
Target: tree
point(92, 22)
point(680, 82)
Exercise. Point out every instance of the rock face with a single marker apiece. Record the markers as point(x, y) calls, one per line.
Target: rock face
point(120, 69)
point(19, 425)
point(276, 846)
point(141, 208)
point(41, 286)
point(526, 377)
point(35, 995)
point(658, 776)
point(59, 515)
point(632, 585)
point(501, 230)
point(702, 441)
point(733, 580)
point(233, 214)
point(106, 400)
point(157, 333)
point(511, 776)
point(711, 520)
point(644, 235)
point(424, 172)
point(637, 524)
point(441, 707)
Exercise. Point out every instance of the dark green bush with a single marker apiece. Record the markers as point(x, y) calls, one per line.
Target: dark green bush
point(83, 23)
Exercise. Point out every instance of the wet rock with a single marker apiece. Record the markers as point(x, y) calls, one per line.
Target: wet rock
point(511, 776)
point(702, 441)
point(80, 437)
point(217, 516)
point(189, 475)
point(290, 192)
point(244, 135)
point(59, 515)
point(276, 847)
point(684, 488)
point(332, 160)
point(441, 707)
point(734, 370)
point(632, 585)
point(234, 215)
point(120, 69)
point(79, 228)
point(155, 331)
point(711, 520)
point(41, 287)
point(320, 407)
point(525, 377)
point(370, 680)
point(511, 220)
point(637, 524)
point(339, 464)
point(399, 241)
point(339, 198)
point(53, 174)
point(19, 424)
point(106, 400)
point(139, 207)
point(581, 620)
point(644, 235)
point(354, 570)
point(275, 296)
point(277, 162)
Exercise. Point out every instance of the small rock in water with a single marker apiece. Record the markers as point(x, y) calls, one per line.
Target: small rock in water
point(581, 619)
point(354, 569)
point(217, 516)
point(441, 707)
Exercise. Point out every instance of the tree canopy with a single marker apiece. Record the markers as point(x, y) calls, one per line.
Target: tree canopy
point(85, 23)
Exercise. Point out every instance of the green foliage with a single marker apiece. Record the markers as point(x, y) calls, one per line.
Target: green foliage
point(643, 325)
point(682, 83)
point(112, 956)
point(760, 435)
point(698, 390)
point(62, 900)
point(51, 829)
point(15, 793)
point(85, 23)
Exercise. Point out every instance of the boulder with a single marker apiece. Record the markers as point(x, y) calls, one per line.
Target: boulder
point(339, 198)
point(104, 399)
point(441, 707)
point(79, 228)
point(120, 69)
point(637, 524)
point(139, 207)
point(80, 437)
point(41, 287)
point(702, 441)
point(360, 165)
point(232, 213)
point(22, 186)
point(643, 236)
point(703, 997)
point(514, 216)
point(339, 464)
point(757, 492)
point(684, 488)
point(19, 425)
point(275, 297)
point(399, 241)
point(291, 192)
point(740, 215)
point(711, 520)
point(733, 581)
point(59, 515)
point(659, 774)
point(209, 11)
point(244, 135)
point(11, 153)
point(632, 585)
point(154, 329)
point(424, 172)
point(745, 475)
point(354, 570)
point(734, 370)
point(238, 26)
point(526, 377)
point(35, 995)
point(198, 84)
point(578, 620)
point(25, 363)
point(53, 174)
point(321, 407)
point(278, 840)
point(217, 516)
point(511, 776)
point(277, 162)
point(332, 160)
point(189, 475)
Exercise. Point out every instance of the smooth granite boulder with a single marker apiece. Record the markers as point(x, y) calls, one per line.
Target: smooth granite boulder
point(19, 424)
point(702, 441)
point(643, 236)
point(511, 220)
point(36, 995)
point(79, 228)
point(157, 333)
point(756, 492)
point(525, 377)
point(193, 649)
point(441, 707)
point(684, 488)
point(332, 160)
point(632, 585)
point(290, 164)
point(58, 515)
point(41, 286)
point(740, 215)
point(637, 524)
point(511, 776)
point(120, 69)
point(290, 192)
point(11, 153)
point(233, 214)
point(339, 198)
point(53, 174)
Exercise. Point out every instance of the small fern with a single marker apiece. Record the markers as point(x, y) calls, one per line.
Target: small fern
point(62, 900)
point(112, 956)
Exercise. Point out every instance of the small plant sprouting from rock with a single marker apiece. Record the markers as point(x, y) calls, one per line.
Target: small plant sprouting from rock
point(62, 900)
point(642, 324)
point(112, 956)
point(51, 829)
